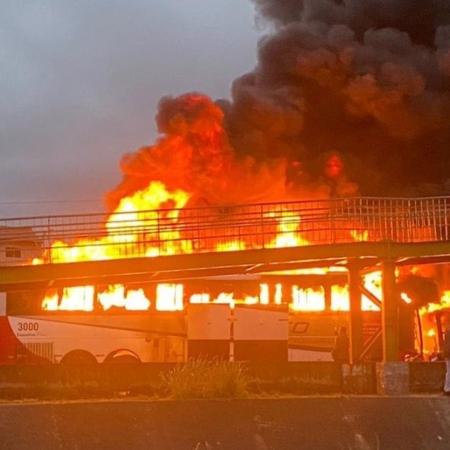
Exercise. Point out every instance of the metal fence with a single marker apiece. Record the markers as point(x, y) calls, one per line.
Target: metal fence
point(53, 239)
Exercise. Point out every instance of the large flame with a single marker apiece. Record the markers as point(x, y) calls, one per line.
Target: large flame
point(194, 162)
point(443, 304)
point(429, 317)
point(132, 229)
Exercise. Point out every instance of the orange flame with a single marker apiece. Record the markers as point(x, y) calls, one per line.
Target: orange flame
point(433, 307)
point(133, 229)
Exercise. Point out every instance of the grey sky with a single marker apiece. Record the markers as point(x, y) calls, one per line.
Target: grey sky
point(80, 81)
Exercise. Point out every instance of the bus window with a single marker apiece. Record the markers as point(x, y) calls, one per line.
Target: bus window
point(24, 303)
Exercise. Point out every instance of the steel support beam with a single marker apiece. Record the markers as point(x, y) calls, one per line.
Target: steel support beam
point(390, 312)
point(214, 263)
point(327, 296)
point(373, 298)
point(356, 325)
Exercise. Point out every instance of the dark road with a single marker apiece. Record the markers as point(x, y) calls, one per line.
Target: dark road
point(360, 423)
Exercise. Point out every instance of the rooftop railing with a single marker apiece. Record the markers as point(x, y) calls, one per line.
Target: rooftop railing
point(66, 238)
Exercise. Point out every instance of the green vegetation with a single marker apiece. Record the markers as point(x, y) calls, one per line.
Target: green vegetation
point(206, 379)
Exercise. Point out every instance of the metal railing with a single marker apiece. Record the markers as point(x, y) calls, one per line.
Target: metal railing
point(237, 227)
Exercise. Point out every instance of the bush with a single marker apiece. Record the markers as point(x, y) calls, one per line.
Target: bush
point(206, 379)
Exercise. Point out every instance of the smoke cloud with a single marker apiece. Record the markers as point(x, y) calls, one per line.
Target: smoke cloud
point(367, 79)
point(347, 97)
point(194, 154)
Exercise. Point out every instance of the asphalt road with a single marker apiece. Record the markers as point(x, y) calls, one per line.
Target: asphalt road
point(360, 423)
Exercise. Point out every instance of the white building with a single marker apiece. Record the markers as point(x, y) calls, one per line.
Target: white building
point(18, 245)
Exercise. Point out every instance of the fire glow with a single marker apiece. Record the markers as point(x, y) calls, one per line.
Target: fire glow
point(171, 297)
point(192, 164)
point(127, 234)
point(126, 231)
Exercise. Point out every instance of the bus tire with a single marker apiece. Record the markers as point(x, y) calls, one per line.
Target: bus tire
point(122, 357)
point(78, 357)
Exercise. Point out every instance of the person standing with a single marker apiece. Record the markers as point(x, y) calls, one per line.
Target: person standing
point(341, 355)
point(447, 360)
point(341, 350)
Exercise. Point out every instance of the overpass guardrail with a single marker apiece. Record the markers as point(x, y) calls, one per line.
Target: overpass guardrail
point(101, 236)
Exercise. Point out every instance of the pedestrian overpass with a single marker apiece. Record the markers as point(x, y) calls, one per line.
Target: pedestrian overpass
point(170, 244)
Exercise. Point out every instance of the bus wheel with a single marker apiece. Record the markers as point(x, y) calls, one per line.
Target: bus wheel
point(78, 357)
point(122, 357)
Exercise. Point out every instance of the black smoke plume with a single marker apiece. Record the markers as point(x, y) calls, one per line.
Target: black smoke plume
point(368, 80)
point(347, 97)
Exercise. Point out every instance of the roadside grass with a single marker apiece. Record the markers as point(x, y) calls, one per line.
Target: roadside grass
point(196, 379)
point(201, 378)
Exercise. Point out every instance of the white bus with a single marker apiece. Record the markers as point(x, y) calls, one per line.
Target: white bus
point(29, 334)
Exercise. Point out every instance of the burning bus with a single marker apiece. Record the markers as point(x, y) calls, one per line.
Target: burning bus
point(270, 317)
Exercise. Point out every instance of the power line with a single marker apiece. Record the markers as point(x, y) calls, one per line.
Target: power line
point(35, 202)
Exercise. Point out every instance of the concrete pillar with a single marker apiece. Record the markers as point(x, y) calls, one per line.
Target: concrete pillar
point(271, 293)
point(356, 325)
point(392, 378)
point(392, 374)
point(390, 313)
